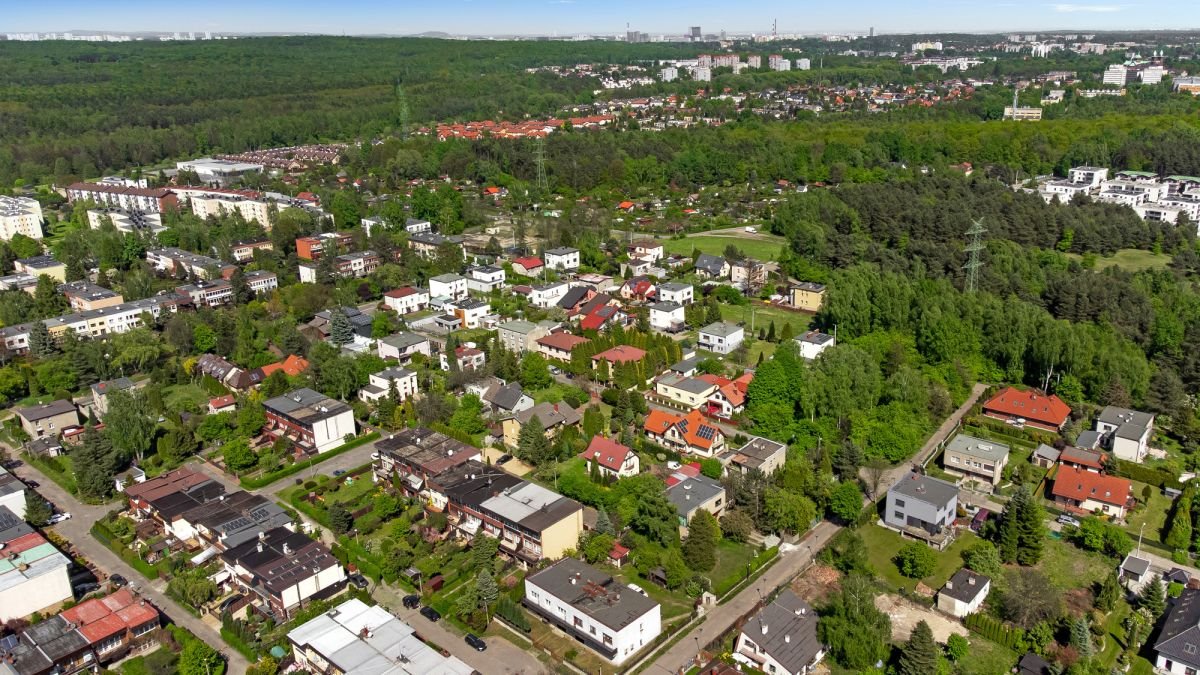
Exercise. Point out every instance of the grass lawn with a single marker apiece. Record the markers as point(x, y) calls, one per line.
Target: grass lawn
point(883, 545)
point(1152, 514)
point(546, 637)
point(986, 658)
point(1069, 567)
point(1129, 259)
point(673, 604)
point(185, 397)
point(764, 315)
point(732, 559)
point(761, 246)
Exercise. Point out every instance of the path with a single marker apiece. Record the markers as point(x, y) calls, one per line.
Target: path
point(720, 619)
point(77, 532)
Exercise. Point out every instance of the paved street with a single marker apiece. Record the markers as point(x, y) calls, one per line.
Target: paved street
point(76, 530)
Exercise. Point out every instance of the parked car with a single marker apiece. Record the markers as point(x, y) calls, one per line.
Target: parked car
point(118, 580)
point(339, 472)
point(59, 517)
point(359, 580)
point(751, 230)
point(980, 518)
point(476, 642)
point(229, 602)
point(1068, 520)
point(505, 458)
point(430, 613)
point(83, 589)
point(32, 484)
point(412, 601)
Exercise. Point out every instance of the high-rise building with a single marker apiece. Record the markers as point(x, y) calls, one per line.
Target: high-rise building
point(1116, 74)
point(872, 31)
point(694, 33)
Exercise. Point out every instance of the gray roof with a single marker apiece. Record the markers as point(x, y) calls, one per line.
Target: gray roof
point(1179, 639)
point(550, 414)
point(471, 304)
point(965, 585)
point(1044, 451)
point(448, 278)
point(791, 632)
point(1130, 424)
point(108, 386)
point(40, 261)
point(673, 286)
point(403, 340)
point(518, 326)
point(616, 608)
point(686, 495)
point(721, 328)
point(926, 488)
point(562, 250)
point(710, 263)
point(11, 526)
point(977, 447)
point(692, 385)
point(686, 365)
point(815, 337)
point(756, 451)
point(505, 397)
point(1135, 565)
point(1088, 439)
point(810, 286)
point(669, 306)
point(306, 406)
point(46, 410)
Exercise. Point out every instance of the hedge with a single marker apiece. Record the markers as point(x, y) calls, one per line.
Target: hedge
point(238, 644)
point(297, 467)
point(1159, 478)
point(105, 536)
point(996, 630)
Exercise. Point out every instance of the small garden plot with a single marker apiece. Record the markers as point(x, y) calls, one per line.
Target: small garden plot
point(883, 545)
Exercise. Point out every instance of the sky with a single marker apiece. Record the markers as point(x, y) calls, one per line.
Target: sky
point(565, 17)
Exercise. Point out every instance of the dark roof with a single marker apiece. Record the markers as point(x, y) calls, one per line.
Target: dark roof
point(109, 386)
point(1032, 664)
point(965, 585)
point(1179, 639)
point(594, 593)
point(473, 483)
point(430, 451)
point(710, 263)
point(306, 406)
point(11, 526)
point(506, 397)
point(1135, 564)
point(46, 410)
point(688, 494)
point(926, 488)
point(791, 635)
point(280, 558)
point(574, 296)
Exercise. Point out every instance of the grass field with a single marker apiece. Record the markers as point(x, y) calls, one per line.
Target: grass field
point(1130, 260)
point(883, 545)
point(986, 658)
point(1152, 514)
point(764, 315)
point(1069, 567)
point(186, 397)
point(761, 246)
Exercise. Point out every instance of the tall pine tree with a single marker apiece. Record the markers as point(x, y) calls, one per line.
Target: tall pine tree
point(700, 548)
point(94, 462)
point(920, 655)
point(341, 333)
point(41, 344)
point(1031, 529)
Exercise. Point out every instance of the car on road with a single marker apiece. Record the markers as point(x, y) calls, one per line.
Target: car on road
point(118, 580)
point(339, 472)
point(59, 517)
point(504, 459)
point(476, 642)
point(32, 484)
point(359, 580)
point(751, 230)
point(83, 589)
point(412, 601)
point(430, 613)
point(1064, 519)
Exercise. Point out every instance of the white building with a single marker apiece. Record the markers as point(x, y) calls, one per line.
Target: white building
point(216, 204)
point(547, 295)
point(803, 64)
point(563, 258)
point(218, 171)
point(95, 323)
point(406, 300)
point(781, 638)
point(126, 221)
point(964, 593)
point(35, 575)
point(1116, 74)
point(12, 491)
point(310, 420)
point(472, 312)
point(667, 316)
point(261, 281)
point(721, 337)
point(1091, 176)
point(814, 343)
point(380, 385)
point(702, 74)
point(20, 215)
point(403, 346)
point(669, 74)
point(453, 286)
point(485, 279)
point(1126, 432)
point(608, 617)
point(676, 292)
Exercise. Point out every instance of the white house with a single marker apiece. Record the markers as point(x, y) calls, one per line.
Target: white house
point(594, 608)
point(1126, 432)
point(310, 420)
point(35, 576)
point(964, 593)
point(667, 317)
point(563, 258)
point(781, 638)
point(453, 286)
point(611, 458)
point(402, 346)
point(406, 300)
point(721, 337)
point(1177, 650)
point(676, 292)
point(380, 385)
point(472, 312)
point(485, 279)
point(547, 295)
point(814, 343)
point(646, 248)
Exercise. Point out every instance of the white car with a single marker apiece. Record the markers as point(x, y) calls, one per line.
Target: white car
point(1068, 520)
point(375, 455)
point(751, 230)
point(59, 517)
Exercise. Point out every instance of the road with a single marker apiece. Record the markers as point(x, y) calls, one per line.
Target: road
point(683, 653)
point(76, 531)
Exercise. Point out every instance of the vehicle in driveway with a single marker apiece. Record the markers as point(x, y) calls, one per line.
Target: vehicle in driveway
point(1064, 519)
point(504, 459)
point(980, 518)
point(118, 580)
point(83, 589)
point(32, 484)
point(338, 472)
point(476, 642)
point(229, 602)
point(412, 601)
point(58, 518)
point(359, 580)
point(430, 613)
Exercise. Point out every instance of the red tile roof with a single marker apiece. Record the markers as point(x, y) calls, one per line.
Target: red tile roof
point(401, 292)
point(101, 618)
point(689, 427)
point(1032, 405)
point(1082, 457)
point(608, 453)
point(170, 482)
point(598, 317)
point(621, 354)
point(293, 365)
point(618, 552)
point(222, 401)
point(1078, 484)
point(528, 262)
point(657, 422)
point(563, 341)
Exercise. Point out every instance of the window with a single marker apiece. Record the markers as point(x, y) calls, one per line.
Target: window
point(578, 622)
point(608, 639)
point(1189, 671)
point(1189, 648)
point(592, 630)
point(898, 515)
point(900, 503)
point(954, 460)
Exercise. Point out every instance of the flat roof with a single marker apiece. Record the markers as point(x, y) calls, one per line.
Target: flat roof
point(978, 447)
point(594, 593)
point(926, 488)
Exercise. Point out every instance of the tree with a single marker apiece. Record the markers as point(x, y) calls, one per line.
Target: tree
point(857, 633)
point(711, 467)
point(787, 511)
point(700, 547)
point(1153, 598)
point(604, 523)
point(198, 658)
point(737, 526)
point(1081, 637)
point(1179, 535)
point(916, 560)
point(341, 333)
point(535, 372)
point(94, 464)
point(876, 469)
point(341, 521)
point(532, 444)
point(483, 550)
point(37, 510)
point(129, 423)
point(847, 552)
point(655, 517)
point(468, 418)
point(920, 654)
point(203, 338)
point(238, 456)
point(1110, 593)
point(1031, 529)
point(957, 647)
point(983, 558)
point(598, 547)
point(41, 344)
point(265, 666)
point(846, 502)
point(486, 587)
point(1025, 601)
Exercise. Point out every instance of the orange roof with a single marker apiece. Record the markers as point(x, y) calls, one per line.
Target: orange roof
point(658, 421)
point(528, 262)
point(292, 366)
point(734, 391)
point(101, 618)
point(692, 428)
point(1080, 485)
point(1032, 405)
point(222, 401)
point(625, 205)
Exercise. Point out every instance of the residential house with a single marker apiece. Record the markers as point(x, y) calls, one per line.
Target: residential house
point(646, 248)
point(923, 507)
point(975, 459)
point(1086, 492)
point(781, 638)
point(402, 346)
point(261, 281)
point(730, 397)
point(346, 266)
point(689, 392)
point(611, 458)
point(83, 296)
point(406, 300)
point(690, 433)
point(178, 263)
point(575, 298)
point(34, 575)
point(472, 313)
point(48, 418)
point(415, 456)
point(417, 226)
point(1126, 432)
point(711, 267)
point(243, 251)
point(601, 283)
point(222, 404)
point(281, 571)
point(485, 279)
point(358, 638)
point(562, 258)
point(603, 316)
point(131, 476)
point(747, 273)
point(320, 327)
point(814, 343)
point(504, 399)
point(667, 317)
point(672, 291)
point(964, 593)
point(519, 336)
point(221, 521)
point(558, 346)
point(594, 608)
point(207, 293)
point(636, 268)
point(311, 421)
point(554, 417)
point(721, 337)
point(381, 383)
point(1134, 572)
point(617, 356)
point(1028, 408)
point(42, 264)
point(312, 248)
point(758, 454)
point(467, 357)
point(638, 288)
point(101, 390)
point(428, 244)
point(548, 295)
point(807, 295)
point(1177, 650)
point(452, 286)
point(12, 493)
point(529, 266)
point(1082, 459)
point(690, 492)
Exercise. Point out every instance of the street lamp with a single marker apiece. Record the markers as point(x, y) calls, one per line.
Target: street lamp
point(697, 639)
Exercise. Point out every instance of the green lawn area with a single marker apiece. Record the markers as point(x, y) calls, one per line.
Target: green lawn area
point(1152, 514)
point(1129, 259)
point(185, 397)
point(986, 658)
point(763, 316)
point(883, 545)
point(546, 637)
point(761, 246)
point(673, 604)
point(732, 559)
point(1069, 567)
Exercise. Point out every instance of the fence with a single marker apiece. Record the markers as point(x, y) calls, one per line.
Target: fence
point(297, 467)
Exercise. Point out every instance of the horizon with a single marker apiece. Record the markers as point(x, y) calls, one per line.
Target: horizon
point(565, 18)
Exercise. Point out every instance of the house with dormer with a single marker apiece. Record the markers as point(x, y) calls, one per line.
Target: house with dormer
point(611, 458)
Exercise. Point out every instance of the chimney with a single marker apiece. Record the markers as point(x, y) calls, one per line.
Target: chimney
point(260, 547)
point(287, 550)
point(764, 629)
point(949, 584)
point(787, 639)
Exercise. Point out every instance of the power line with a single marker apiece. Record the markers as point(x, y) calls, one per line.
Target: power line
point(539, 158)
point(974, 250)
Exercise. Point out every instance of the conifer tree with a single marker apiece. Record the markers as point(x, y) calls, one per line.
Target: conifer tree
point(920, 655)
point(341, 333)
point(699, 550)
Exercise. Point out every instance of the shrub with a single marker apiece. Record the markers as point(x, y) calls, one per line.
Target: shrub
point(916, 560)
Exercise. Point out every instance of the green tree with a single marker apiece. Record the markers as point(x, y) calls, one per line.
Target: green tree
point(1153, 598)
point(265, 666)
point(920, 654)
point(700, 547)
point(483, 550)
point(341, 521)
point(486, 587)
point(238, 456)
point(711, 467)
point(916, 560)
point(655, 517)
point(1110, 593)
point(983, 558)
point(604, 523)
point(598, 547)
point(1031, 529)
point(737, 526)
point(341, 333)
point(203, 338)
point(468, 418)
point(1081, 637)
point(1179, 533)
point(198, 658)
point(95, 463)
point(957, 647)
point(37, 510)
point(787, 511)
point(129, 423)
point(535, 372)
point(532, 444)
point(857, 633)
point(846, 502)
point(41, 344)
